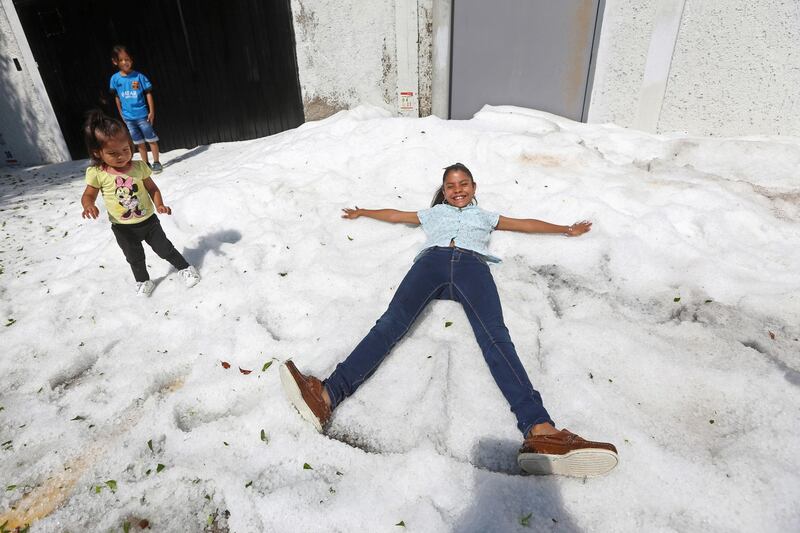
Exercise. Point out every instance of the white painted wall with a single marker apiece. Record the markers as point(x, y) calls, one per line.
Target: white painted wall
point(735, 68)
point(29, 132)
point(347, 53)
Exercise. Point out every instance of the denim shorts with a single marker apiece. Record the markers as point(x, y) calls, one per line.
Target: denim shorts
point(141, 130)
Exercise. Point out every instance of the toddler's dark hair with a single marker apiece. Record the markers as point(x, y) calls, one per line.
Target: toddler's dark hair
point(438, 198)
point(118, 49)
point(97, 129)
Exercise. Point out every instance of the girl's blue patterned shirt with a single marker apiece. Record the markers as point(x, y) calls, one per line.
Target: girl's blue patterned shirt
point(468, 227)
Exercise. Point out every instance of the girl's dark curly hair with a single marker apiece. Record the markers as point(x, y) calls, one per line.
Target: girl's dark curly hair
point(438, 198)
point(98, 128)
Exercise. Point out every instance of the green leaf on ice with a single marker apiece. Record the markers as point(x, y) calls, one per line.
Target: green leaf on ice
point(126, 527)
point(266, 366)
point(448, 324)
point(307, 466)
point(676, 299)
point(248, 484)
point(264, 437)
point(112, 484)
point(159, 468)
point(401, 524)
point(525, 520)
point(150, 444)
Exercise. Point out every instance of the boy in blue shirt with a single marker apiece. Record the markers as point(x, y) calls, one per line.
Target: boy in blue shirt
point(133, 93)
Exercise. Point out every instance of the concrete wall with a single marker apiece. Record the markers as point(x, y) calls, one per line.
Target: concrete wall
point(735, 67)
point(29, 133)
point(347, 54)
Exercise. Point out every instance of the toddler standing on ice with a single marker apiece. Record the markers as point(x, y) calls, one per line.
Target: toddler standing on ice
point(453, 266)
point(131, 197)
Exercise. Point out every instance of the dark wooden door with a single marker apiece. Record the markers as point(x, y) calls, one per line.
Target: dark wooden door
point(221, 70)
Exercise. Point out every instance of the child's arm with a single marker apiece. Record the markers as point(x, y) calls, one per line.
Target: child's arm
point(87, 201)
point(531, 225)
point(155, 194)
point(119, 104)
point(386, 215)
point(151, 115)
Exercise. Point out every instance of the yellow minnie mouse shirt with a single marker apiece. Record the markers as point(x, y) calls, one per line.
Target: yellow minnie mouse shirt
point(126, 199)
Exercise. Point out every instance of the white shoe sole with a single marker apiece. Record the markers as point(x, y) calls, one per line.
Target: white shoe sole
point(295, 397)
point(577, 463)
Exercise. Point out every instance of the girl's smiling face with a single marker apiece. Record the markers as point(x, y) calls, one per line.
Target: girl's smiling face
point(116, 152)
point(458, 188)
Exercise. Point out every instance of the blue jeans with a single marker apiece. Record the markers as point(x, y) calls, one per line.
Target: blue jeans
point(446, 274)
point(141, 130)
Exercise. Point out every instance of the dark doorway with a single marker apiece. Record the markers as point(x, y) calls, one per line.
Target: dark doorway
point(529, 53)
point(221, 70)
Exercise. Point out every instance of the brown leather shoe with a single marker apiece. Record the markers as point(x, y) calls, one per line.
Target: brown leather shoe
point(305, 394)
point(566, 454)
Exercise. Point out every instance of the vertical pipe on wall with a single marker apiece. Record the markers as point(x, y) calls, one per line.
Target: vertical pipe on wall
point(407, 58)
point(659, 58)
point(440, 85)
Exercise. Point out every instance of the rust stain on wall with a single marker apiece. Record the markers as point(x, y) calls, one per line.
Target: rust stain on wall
point(319, 107)
point(580, 36)
point(389, 74)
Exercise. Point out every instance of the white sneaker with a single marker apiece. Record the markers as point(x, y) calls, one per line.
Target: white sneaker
point(144, 288)
point(190, 276)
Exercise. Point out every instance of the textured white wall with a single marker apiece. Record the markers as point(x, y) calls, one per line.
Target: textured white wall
point(735, 69)
point(28, 129)
point(347, 54)
point(621, 59)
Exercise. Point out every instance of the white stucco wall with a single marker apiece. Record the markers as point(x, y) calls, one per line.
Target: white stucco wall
point(346, 54)
point(29, 133)
point(621, 59)
point(735, 67)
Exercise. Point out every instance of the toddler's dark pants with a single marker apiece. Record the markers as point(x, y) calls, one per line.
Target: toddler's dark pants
point(130, 237)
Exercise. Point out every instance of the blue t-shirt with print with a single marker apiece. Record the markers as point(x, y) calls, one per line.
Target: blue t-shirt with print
point(131, 90)
point(469, 227)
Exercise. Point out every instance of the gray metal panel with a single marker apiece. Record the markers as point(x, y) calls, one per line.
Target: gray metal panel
point(529, 53)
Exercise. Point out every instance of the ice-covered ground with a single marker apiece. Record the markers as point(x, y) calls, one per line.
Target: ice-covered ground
point(671, 329)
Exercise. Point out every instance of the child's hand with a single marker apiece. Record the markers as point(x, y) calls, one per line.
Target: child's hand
point(351, 213)
point(164, 210)
point(90, 212)
point(151, 117)
point(578, 228)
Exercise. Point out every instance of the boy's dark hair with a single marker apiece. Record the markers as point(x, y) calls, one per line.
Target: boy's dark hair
point(118, 49)
point(438, 198)
point(97, 128)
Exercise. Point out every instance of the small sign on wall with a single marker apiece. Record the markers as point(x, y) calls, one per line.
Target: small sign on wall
point(408, 103)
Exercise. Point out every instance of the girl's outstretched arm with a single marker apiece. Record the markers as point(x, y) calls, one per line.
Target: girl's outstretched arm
point(386, 215)
point(531, 225)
